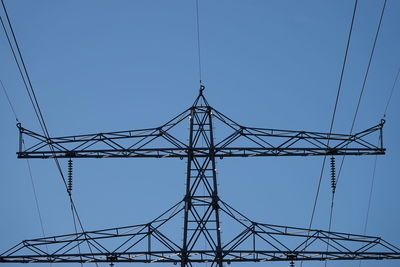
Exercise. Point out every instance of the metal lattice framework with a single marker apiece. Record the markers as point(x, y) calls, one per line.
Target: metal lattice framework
point(201, 239)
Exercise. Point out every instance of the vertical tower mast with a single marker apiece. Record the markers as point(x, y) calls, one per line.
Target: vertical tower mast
point(201, 214)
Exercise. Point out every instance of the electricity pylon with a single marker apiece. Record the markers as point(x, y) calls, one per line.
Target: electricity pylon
point(200, 238)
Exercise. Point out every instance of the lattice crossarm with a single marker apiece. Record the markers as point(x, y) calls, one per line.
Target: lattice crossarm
point(112, 244)
point(149, 142)
point(260, 242)
point(243, 141)
point(273, 142)
point(304, 244)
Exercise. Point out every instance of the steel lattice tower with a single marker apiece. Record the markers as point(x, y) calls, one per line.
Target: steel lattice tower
point(201, 239)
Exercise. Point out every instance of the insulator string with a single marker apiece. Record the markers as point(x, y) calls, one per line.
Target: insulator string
point(70, 176)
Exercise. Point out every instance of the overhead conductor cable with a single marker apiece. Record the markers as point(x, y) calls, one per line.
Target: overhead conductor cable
point(32, 96)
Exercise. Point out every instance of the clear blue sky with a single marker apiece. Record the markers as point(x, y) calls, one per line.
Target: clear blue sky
point(116, 65)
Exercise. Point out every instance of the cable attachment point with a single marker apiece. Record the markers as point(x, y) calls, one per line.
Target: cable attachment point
point(70, 175)
point(202, 87)
point(333, 175)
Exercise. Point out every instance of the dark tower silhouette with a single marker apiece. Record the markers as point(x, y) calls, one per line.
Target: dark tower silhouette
point(201, 239)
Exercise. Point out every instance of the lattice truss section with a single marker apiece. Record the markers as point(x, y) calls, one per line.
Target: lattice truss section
point(237, 141)
point(211, 230)
point(153, 242)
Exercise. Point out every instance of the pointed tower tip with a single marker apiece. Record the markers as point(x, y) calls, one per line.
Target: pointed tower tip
point(201, 100)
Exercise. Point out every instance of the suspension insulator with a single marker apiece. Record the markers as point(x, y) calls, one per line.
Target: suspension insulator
point(291, 264)
point(333, 175)
point(70, 175)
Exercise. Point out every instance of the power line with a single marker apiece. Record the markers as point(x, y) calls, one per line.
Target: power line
point(370, 197)
point(21, 66)
point(9, 101)
point(369, 65)
point(336, 101)
point(198, 39)
point(29, 168)
point(356, 111)
point(376, 159)
point(26, 79)
point(335, 106)
point(391, 93)
point(370, 194)
point(31, 92)
point(334, 112)
point(37, 202)
point(364, 81)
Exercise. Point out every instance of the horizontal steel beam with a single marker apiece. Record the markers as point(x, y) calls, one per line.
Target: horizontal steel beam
point(201, 152)
point(199, 256)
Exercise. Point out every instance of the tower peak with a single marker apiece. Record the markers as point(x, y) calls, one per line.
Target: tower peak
point(200, 99)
